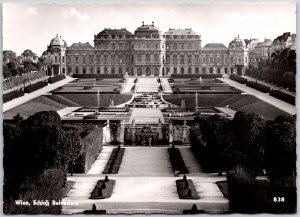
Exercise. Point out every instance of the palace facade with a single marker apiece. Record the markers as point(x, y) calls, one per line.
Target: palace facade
point(147, 52)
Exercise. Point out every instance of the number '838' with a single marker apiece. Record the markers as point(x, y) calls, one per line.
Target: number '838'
point(278, 199)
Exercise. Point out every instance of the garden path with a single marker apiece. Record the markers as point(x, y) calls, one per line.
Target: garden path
point(146, 115)
point(147, 85)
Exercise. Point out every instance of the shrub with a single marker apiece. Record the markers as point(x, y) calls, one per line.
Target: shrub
point(34, 87)
point(12, 95)
point(92, 140)
point(98, 76)
point(258, 86)
point(114, 162)
point(283, 96)
point(101, 192)
point(48, 186)
point(238, 79)
point(196, 76)
point(56, 79)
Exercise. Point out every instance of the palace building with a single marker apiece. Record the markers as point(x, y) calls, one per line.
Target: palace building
point(147, 52)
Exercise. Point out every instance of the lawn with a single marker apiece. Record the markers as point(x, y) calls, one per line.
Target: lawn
point(238, 102)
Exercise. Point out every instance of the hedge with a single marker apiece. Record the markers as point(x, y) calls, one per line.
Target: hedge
point(103, 189)
point(92, 140)
point(196, 75)
point(258, 86)
point(283, 96)
point(250, 195)
point(12, 95)
point(98, 75)
point(56, 79)
point(177, 162)
point(238, 78)
point(34, 87)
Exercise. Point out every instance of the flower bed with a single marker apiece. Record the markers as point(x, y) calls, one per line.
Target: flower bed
point(114, 162)
point(177, 161)
point(34, 87)
point(283, 96)
point(103, 189)
point(238, 78)
point(56, 79)
point(258, 86)
point(12, 95)
point(186, 189)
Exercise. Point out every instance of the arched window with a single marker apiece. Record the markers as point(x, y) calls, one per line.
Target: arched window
point(168, 59)
point(148, 58)
point(175, 59)
point(156, 58)
point(139, 58)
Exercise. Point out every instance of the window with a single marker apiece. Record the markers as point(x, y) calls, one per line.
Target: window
point(204, 60)
point(120, 59)
point(98, 70)
point(168, 59)
point(190, 59)
point(197, 60)
point(156, 46)
point(55, 59)
point(219, 71)
point(98, 59)
point(113, 59)
point(112, 70)
point(190, 70)
point(175, 46)
point(148, 58)
point(211, 70)
point(182, 70)
point(69, 59)
point(63, 59)
point(69, 70)
point(148, 46)
point(175, 59)
point(76, 59)
point(76, 70)
point(105, 46)
point(120, 70)
point(218, 59)
point(84, 70)
point(105, 70)
point(91, 70)
point(127, 59)
point(225, 59)
point(105, 59)
point(197, 70)
point(113, 46)
point(239, 60)
point(91, 59)
point(182, 46)
point(168, 70)
point(203, 70)
point(139, 58)
point(181, 59)
point(83, 59)
point(156, 71)
point(168, 46)
point(175, 70)
point(211, 59)
point(156, 58)
point(120, 46)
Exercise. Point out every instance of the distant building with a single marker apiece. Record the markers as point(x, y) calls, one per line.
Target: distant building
point(28, 55)
point(286, 40)
point(263, 50)
point(56, 56)
point(147, 52)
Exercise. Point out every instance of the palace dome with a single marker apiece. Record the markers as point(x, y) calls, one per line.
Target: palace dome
point(147, 30)
point(58, 41)
point(237, 43)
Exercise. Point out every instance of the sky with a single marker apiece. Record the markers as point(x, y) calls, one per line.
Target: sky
point(32, 26)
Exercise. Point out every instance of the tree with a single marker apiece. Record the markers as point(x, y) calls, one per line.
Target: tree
point(249, 133)
point(281, 148)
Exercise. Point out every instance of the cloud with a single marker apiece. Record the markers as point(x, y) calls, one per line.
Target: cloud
point(32, 11)
point(81, 16)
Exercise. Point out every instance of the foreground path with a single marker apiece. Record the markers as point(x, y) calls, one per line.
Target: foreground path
point(146, 184)
point(288, 108)
point(29, 96)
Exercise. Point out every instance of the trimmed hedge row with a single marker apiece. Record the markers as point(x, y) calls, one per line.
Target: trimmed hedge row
point(196, 75)
point(12, 95)
point(114, 162)
point(56, 79)
point(258, 86)
point(238, 78)
point(283, 96)
point(103, 189)
point(34, 87)
point(177, 161)
point(186, 189)
point(98, 75)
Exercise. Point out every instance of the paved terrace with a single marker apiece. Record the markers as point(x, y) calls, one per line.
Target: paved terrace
point(146, 184)
point(146, 115)
point(27, 97)
point(288, 108)
point(147, 85)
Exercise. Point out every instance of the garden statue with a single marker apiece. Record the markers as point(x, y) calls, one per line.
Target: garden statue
point(111, 104)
